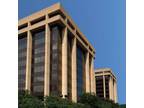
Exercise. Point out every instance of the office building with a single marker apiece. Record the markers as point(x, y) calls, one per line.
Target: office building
point(54, 57)
point(106, 84)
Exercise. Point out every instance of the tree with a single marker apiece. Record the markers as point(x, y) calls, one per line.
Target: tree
point(96, 102)
point(56, 102)
point(25, 100)
point(86, 101)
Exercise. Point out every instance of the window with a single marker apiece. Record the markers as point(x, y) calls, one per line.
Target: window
point(80, 71)
point(22, 45)
point(38, 47)
point(56, 63)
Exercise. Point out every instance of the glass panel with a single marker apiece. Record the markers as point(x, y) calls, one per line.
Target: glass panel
point(99, 86)
point(56, 63)
point(80, 71)
point(22, 45)
point(107, 85)
point(38, 47)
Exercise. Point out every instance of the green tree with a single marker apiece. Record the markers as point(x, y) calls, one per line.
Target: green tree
point(96, 102)
point(86, 101)
point(25, 100)
point(56, 102)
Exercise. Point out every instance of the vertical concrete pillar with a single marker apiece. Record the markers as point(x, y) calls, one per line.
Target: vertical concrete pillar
point(115, 92)
point(74, 71)
point(64, 63)
point(28, 61)
point(95, 84)
point(93, 88)
point(87, 77)
point(104, 87)
point(111, 88)
point(47, 61)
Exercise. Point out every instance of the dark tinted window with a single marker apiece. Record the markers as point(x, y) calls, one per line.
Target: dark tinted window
point(80, 71)
point(38, 47)
point(55, 75)
point(99, 86)
point(22, 45)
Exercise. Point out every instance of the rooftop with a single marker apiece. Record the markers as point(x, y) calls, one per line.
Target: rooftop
point(54, 12)
point(105, 71)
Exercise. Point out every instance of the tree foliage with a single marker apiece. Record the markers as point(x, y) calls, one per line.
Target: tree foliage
point(86, 101)
point(96, 102)
point(25, 100)
point(56, 102)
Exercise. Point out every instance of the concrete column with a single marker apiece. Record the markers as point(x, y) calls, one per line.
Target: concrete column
point(95, 84)
point(87, 76)
point(64, 63)
point(115, 92)
point(28, 61)
point(110, 97)
point(47, 61)
point(111, 88)
point(93, 88)
point(74, 71)
point(104, 87)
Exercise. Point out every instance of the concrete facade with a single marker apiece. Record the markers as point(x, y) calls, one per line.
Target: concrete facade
point(106, 84)
point(47, 18)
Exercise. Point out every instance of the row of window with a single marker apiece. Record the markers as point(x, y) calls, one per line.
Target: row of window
point(39, 41)
point(22, 50)
point(22, 41)
point(55, 79)
point(22, 63)
point(80, 71)
point(22, 44)
point(20, 47)
point(38, 47)
point(22, 54)
point(38, 55)
point(21, 72)
point(39, 88)
point(39, 59)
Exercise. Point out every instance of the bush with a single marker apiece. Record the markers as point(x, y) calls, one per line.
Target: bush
point(86, 101)
point(56, 102)
point(96, 102)
point(25, 100)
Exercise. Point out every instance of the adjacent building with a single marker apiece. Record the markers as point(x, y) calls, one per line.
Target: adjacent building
point(106, 84)
point(54, 57)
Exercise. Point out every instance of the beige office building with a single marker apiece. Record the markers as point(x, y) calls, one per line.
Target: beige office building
point(54, 57)
point(106, 84)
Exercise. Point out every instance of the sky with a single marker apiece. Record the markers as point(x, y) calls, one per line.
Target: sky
point(103, 24)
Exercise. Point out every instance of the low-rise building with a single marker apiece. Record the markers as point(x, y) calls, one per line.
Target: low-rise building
point(106, 84)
